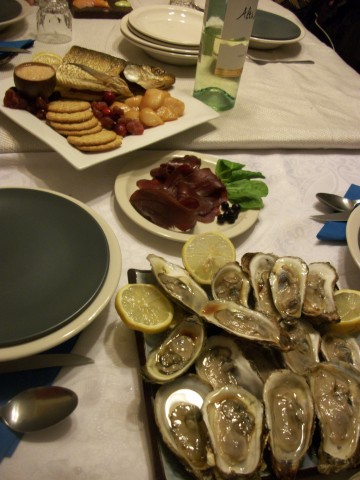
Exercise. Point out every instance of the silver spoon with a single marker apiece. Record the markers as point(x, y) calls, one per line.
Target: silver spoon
point(261, 61)
point(38, 408)
point(337, 202)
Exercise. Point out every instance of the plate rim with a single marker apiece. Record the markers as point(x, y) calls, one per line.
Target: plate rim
point(134, 14)
point(156, 157)
point(25, 10)
point(272, 14)
point(92, 311)
point(80, 160)
point(352, 235)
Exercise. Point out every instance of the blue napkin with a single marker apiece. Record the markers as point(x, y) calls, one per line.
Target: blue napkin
point(13, 383)
point(17, 44)
point(337, 230)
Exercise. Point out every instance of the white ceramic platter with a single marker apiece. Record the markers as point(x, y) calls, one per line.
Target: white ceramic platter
point(25, 9)
point(171, 24)
point(138, 166)
point(87, 316)
point(353, 235)
point(196, 113)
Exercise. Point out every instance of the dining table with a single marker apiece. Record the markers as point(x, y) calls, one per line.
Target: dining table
point(297, 124)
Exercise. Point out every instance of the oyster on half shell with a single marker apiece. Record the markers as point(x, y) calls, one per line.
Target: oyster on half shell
point(235, 420)
point(289, 413)
point(335, 389)
point(178, 415)
point(177, 283)
point(175, 355)
point(231, 283)
point(341, 348)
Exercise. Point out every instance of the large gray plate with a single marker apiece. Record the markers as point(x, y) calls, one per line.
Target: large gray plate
point(9, 9)
point(54, 260)
point(270, 26)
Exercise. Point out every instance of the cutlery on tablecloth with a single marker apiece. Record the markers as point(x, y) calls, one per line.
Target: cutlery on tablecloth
point(13, 50)
point(44, 360)
point(341, 204)
point(263, 61)
point(332, 217)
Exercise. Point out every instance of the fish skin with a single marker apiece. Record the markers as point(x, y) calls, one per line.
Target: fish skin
point(74, 82)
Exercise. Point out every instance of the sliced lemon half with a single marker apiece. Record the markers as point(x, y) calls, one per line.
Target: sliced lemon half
point(204, 254)
point(49, 58)
point(348, 306)
point(144, 307)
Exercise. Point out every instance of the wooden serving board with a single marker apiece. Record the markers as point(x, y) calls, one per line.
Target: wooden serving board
point(115, 10)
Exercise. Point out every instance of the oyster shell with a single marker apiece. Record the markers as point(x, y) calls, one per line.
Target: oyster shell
point(231, 283)
point(305, 347)
point(335, 389)
point(178, 283)
point(319, 304)
point(177, 408)
point(289, 413)
point(222, 362)
point(287, 281)
point(246, 323)
point(175, 355)
point(235, 419)
point(343, 348)
point(259, 266)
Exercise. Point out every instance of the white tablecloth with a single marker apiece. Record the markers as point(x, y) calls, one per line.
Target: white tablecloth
point(278, 106)
point(106, 436)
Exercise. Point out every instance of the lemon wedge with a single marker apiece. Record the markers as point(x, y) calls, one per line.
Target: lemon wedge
point(204, 254)
point(348, 306)
point(49, 58)
point(144, 307)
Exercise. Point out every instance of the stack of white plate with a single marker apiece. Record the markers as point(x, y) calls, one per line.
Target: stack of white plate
point(168, 33)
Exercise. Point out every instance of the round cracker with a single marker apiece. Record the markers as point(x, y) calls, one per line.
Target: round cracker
point(68, 106)
point(80, 133)
point(104, 147)
point(105, 136)
point(75, 117)
point(92, 122)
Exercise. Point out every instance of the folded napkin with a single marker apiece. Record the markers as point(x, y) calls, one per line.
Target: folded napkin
point(13, 383)
point(17, 44)
point(337, 230)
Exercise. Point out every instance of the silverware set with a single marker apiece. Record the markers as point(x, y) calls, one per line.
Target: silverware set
point(343, 207)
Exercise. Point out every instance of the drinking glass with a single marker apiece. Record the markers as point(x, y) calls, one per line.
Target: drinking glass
point(183, 3)
point(54, 21)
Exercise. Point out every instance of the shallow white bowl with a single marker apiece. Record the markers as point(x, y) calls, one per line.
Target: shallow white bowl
point(353, 235)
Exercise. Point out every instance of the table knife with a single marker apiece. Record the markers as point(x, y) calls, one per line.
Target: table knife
point(44, 360)
point(13, 50)
point(332, 217)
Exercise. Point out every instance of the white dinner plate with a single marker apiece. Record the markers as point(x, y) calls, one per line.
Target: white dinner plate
point(137, 40)
point(171, 24)
point(138, 166)
point(271, 30)
point(87, 316)
point(196, 113)
point(353, 235)
point(7, 5)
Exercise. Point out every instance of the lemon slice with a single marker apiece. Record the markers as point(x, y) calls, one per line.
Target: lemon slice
point(348, 306)
point(49, 58)
point(204, 254)
point(144, 307)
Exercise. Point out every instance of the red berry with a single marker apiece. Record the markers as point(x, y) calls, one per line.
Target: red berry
point(109, 97)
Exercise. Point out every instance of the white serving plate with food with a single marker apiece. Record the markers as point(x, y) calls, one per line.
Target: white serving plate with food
point(125, 185)
point(172, 24)
point(196, 113)
point(87, 316)
point(353, 235)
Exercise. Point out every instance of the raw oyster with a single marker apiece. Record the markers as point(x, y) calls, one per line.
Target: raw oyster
point(305, 347)
point(335, 389)
point(246, 323)
point(258, 266)
point(343, 348)
point(235, 420)
point(264, 360)
point(289, 413)
point(177, 352)
point(221, 363)
point(319, 304)
point(177, 407)
point(231, 283)
point(287, 282)
point(177, 283)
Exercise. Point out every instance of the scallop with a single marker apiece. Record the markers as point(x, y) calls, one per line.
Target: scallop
point(222, 363)
point(231, 283)
point(235, 419)
point(178, 283)
point(175, 355)
point(178, 415)
point(289, 413)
